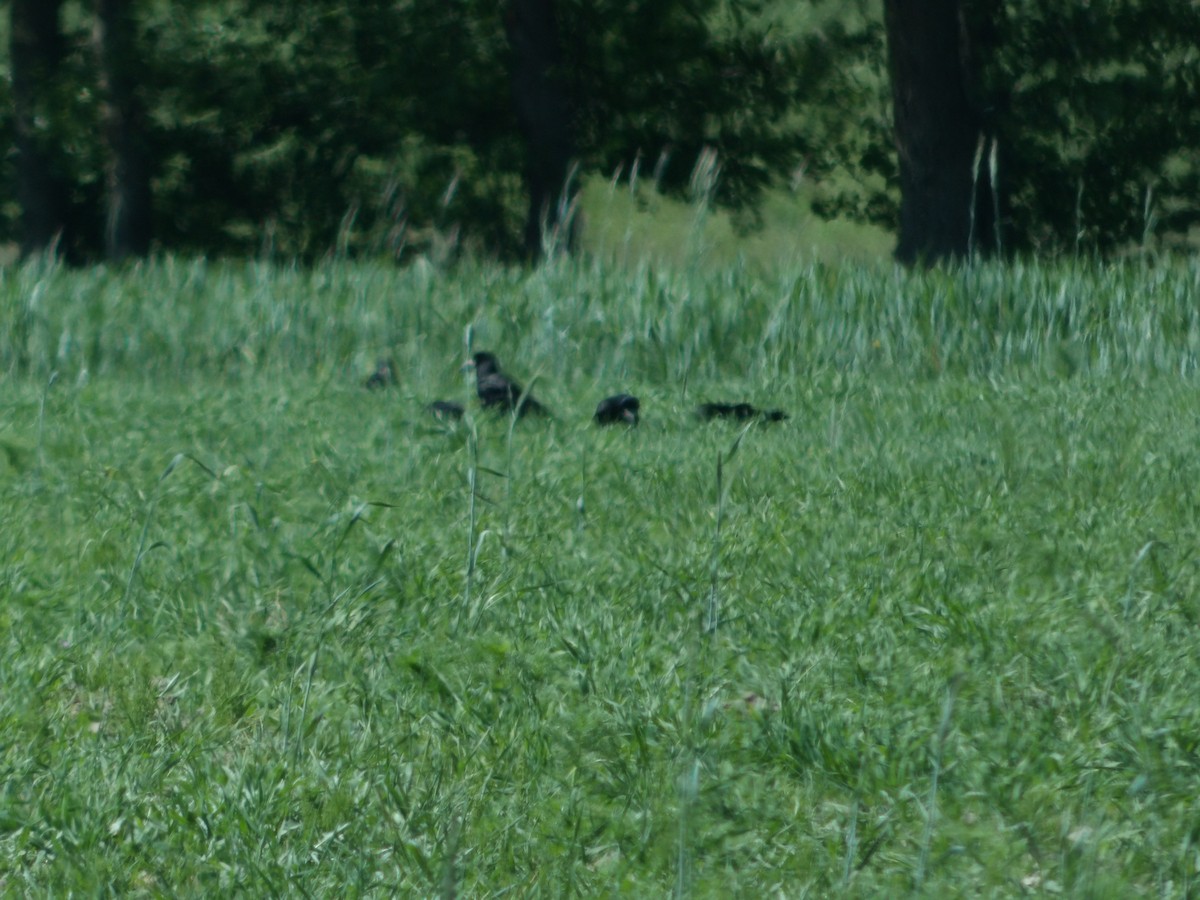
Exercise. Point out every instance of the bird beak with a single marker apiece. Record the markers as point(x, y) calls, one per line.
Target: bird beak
point(467, 366)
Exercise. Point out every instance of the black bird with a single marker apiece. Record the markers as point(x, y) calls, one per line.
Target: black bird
point(739, 411)
point(497, 391)
point(617, 409)
point(742, 412)
point(446, 410)
point(383, 376)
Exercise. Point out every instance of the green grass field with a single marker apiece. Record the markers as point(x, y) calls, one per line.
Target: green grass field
point(632, 224)
point(933, 636)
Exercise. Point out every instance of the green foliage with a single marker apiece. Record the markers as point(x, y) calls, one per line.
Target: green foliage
point(657, 84)
point(381, 129)
point(69, 115)
point(317, 127)
point(1100, 111)
point(850, 164)
point(958, 609)
point(302, 129)
point(1095, 109)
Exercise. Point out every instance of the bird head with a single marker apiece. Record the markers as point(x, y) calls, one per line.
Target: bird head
point(483, 363)
point(629, 409)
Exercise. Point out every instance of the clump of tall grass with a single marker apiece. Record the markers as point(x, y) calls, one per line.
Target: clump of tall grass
point(178, 318)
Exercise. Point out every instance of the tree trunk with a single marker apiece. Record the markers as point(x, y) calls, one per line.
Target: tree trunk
point(128, 221)
point(35, 50)
point(543, 109)
point(945, 194)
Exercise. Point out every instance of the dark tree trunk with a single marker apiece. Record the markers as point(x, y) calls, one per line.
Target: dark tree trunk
point(36, 49)
point(945, 195)
point(128, 223)
point(543, 108)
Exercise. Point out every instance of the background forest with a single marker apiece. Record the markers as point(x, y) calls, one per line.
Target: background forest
point(384, 128)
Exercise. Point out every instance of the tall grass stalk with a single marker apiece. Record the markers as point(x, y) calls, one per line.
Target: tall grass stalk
point(994, 182)
point(323, 618)
point(931, 805)
point(448, 889)
point(559, 236)
point(510, 456)
point(697, 669)
point(706, 174)
point(1079, 217)
point(721, 494)
point(689, 789)
point(976, 167)
point(472, 448)
point(142, 549)
point(41, 421)
point(1149, 219)
point(856, 803)
point(472, 495)
point(851, 840)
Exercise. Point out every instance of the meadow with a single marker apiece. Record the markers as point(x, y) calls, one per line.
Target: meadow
point(268, 633)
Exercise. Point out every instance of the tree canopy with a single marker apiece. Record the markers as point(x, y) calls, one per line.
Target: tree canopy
point(1088, 119)
point(384, 127)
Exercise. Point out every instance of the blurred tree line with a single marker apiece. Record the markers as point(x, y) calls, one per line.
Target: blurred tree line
point(391, 127)
point(1043, 126)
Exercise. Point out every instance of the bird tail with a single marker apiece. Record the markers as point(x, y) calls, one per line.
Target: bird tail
point(527, 406)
